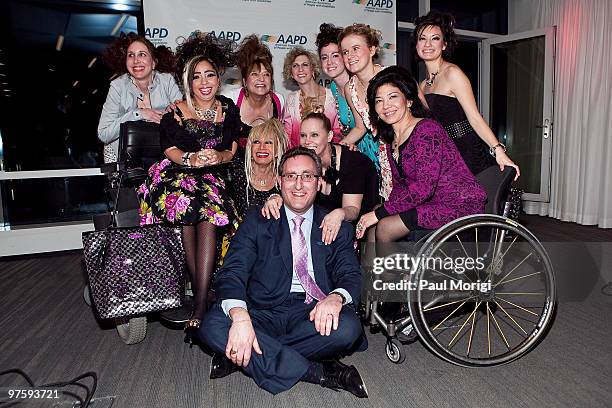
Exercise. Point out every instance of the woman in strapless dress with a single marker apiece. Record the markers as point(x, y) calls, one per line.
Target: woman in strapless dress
point(450, 98)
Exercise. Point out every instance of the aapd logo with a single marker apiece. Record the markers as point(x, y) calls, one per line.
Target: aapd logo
point(156, 32)
point(285, 41)
point(376, 6)
point(227, 35)
point(157, 35)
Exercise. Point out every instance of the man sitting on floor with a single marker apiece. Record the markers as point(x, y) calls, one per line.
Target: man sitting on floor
point(286, 301)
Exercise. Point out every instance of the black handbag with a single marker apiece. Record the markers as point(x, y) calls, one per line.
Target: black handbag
point(134, 270)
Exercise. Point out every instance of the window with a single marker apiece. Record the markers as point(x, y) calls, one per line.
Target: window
point(54, 82)
point(488, 16)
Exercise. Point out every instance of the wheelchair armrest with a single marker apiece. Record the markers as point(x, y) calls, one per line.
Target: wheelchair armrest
point(109, 169)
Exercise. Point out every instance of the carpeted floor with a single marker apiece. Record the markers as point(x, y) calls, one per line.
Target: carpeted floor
point(49, 332)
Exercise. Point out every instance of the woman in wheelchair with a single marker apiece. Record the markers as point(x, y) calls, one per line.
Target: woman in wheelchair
point(143, 91)
point(254, 179)
point(350, 185)
point(431, 183)
point(188, 187)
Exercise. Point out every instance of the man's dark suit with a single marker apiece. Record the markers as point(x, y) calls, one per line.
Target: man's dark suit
point(258, 269)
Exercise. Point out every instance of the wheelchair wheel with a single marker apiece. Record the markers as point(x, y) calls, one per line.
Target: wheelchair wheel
point(132, 330)
point(491, 311)
point(394, 350)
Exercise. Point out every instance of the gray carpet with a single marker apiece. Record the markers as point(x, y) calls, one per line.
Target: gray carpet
point(49, 332)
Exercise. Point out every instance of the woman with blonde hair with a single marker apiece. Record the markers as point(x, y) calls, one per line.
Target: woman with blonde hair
point(302, 67)
point(254, 180)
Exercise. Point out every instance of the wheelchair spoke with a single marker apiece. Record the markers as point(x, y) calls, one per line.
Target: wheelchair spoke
point(522, 308)
point(489, 328)
point(443, 274)
point(469, 347)
point(511, 318)
point(513, 269)
point(466, 256)
point(517, 278)
point(451, 313)
point(500, 331)
point(463, 325)
point(509, 246)
point(449, 303)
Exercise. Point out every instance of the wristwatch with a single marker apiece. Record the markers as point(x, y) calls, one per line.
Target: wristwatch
point(492, 148)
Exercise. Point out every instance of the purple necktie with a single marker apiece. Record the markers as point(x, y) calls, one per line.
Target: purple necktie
point(300, 262)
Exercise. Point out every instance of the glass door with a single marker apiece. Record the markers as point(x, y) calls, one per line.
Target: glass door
point(517, 101)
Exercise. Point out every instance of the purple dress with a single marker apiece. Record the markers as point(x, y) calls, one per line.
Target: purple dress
point(432, 178)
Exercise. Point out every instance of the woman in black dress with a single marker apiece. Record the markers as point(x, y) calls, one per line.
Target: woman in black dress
point(188, 187)
point(254, 178)
point(450, 98)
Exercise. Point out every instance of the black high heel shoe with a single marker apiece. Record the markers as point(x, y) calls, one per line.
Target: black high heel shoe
point(191, 330)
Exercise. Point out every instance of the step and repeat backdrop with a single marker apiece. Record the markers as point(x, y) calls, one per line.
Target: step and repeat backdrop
point(281, 24)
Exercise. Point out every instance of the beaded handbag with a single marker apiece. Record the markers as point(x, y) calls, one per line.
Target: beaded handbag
point(135, 270)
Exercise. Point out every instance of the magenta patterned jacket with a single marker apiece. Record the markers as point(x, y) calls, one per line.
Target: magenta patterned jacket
point(433, 178)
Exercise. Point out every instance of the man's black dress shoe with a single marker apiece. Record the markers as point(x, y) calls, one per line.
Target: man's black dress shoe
point(221, 366)
point(340, 376)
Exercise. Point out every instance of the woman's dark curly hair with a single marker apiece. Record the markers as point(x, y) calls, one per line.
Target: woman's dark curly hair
point(328, 34)
point(371, 35)
point(115, 54)
point(218, 52)
point(251, 54)
point(401, 78)
point(445, 22)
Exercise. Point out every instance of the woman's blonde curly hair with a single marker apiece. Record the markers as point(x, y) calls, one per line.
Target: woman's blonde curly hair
point(292, 55)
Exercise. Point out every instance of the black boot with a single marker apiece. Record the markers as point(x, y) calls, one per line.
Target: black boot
point(340, 376)
point(221, 366)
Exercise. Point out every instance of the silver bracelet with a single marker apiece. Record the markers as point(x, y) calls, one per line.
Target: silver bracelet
point(492, 148)
point(273, 195)
point(186, 159)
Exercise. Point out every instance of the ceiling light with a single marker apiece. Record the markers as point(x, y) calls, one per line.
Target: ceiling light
point(95, 91)
point(120, 7)
point(93, 61)
point(59, 43)
point(75, 83)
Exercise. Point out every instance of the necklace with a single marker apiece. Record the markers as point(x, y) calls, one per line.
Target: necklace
point(310, 104)
point(430, 81)
point(206, 114)
point(262, 182)
point(345, 128)
point(396, 142)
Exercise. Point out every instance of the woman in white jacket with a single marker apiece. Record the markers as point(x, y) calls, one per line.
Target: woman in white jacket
point(143, 91)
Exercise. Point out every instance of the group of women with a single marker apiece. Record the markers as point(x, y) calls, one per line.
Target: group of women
point(388, 166)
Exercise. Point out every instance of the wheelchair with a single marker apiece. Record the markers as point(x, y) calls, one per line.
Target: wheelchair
point(139, 148)
point(487, 315)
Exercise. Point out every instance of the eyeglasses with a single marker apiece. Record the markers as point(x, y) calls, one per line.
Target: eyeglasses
point(306, 177)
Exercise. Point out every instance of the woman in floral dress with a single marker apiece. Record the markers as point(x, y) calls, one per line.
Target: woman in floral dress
point(188, 187)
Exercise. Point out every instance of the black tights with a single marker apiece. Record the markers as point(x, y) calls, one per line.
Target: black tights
point(199, 242)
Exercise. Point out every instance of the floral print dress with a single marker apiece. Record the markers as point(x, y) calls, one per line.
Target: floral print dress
point(175, 194)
